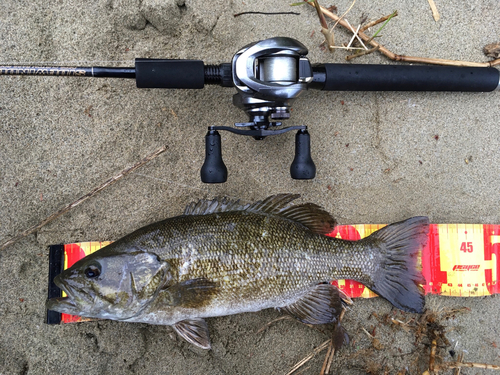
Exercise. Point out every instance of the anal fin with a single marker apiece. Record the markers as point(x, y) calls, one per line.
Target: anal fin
point(322, 305)
point(194, 331)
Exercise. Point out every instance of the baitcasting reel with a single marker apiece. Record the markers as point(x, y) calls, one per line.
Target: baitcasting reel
point(268, 76)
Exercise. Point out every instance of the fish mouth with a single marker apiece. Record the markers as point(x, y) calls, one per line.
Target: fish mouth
point(65, 305)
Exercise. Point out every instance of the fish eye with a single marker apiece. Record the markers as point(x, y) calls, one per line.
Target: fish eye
point(92, 271)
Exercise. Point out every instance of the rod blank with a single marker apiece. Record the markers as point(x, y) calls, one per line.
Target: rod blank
point(95, 71)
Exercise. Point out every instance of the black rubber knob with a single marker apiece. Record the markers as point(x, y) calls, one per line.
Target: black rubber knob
point(214, 170)
point(302, 167)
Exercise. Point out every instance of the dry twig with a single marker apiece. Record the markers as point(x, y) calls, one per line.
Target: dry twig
point(82, 199)
point(380, 20)
point(329, 36)
point(432, 358)
point(451, 365)
point(309, 357)
point(375, 342)
point(412, 59)
point(325, 369)
point(327, 363)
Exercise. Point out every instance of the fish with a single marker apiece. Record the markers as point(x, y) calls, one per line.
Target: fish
point(221, 257)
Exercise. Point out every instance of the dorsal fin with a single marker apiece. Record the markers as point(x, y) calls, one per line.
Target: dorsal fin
point(274, 204)
point(206, 207)
point(310, 215)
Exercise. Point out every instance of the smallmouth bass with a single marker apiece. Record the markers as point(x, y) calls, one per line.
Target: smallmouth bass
point(221, 258)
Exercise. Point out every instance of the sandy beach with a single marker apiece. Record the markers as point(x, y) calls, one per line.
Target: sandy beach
point(381, 157)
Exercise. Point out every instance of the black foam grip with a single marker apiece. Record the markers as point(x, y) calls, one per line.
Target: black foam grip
point(169, 74)
point(360, 77)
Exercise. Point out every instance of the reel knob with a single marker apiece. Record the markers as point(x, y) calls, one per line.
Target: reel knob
point(302, 167)
point(214, 170)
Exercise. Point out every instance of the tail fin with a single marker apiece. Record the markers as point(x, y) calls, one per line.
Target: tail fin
point(396, 278)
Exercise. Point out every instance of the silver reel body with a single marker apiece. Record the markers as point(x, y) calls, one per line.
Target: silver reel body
point(268, 76)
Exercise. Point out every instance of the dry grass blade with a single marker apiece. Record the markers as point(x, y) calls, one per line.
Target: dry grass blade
point(450, 365)
point(309, 357)
point(434, 9)
point(362, 53)
point(82, 199)
point(380, 20)
point(284, 317)
point(325, 369)
point(345, 13)
point(460, 358)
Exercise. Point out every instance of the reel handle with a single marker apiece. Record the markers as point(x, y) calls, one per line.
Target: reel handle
point(303, 167)
point(214, 170)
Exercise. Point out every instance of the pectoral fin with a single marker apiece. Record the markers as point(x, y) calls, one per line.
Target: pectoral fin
point(192, 293)
point(194, 331)
point(322, 305)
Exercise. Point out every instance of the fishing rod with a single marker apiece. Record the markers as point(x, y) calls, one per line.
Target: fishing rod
point(268, 76)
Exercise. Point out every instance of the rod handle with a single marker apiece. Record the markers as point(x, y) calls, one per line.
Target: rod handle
point(367, 77)
point(169, 74)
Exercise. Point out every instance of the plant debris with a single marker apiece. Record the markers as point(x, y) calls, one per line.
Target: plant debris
point(396, 57)
point(266, 13)
point(434, 9)
point(492, 50)
point(427, 333)
point(83, 198)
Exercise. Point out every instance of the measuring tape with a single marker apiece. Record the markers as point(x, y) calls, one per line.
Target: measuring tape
point(459, 260)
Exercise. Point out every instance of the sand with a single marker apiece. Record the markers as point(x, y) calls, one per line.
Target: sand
point(380, 157)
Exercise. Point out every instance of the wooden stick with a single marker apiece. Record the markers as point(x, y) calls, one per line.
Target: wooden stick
point(411, 59)
point(321, 17)
point(329, 36)
point(82, 199)
point(460, 358)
